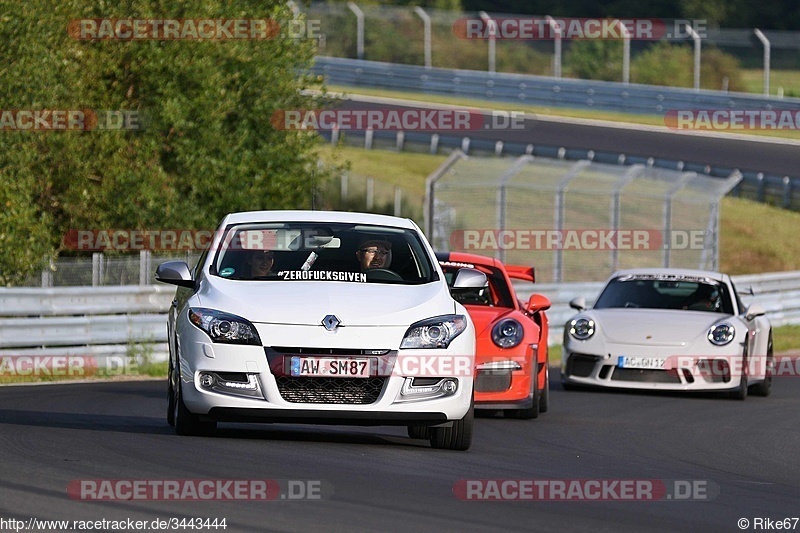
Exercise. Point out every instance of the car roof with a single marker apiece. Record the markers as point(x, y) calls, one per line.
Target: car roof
point(718, 276)
point(317, 216)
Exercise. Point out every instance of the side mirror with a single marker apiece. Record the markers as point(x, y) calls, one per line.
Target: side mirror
point(578, 303)
point(538, 302)
point(469, 278)
point(753, 311)
point(175, 273)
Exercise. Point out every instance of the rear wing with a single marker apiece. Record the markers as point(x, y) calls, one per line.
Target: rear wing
point(521, 272)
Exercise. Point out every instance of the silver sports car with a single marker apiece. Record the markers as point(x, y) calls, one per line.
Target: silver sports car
point(669, 329)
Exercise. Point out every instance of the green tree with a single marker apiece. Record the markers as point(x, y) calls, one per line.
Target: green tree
point(671, 65)
point(595, 59)
point(207, 145)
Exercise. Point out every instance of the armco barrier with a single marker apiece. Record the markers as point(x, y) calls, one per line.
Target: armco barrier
point(537, 90)
point(100, 322)
point(110, 321)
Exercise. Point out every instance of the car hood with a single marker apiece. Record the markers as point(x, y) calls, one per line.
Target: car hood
point(654, 327)
point(308, 302)
point(484, 317)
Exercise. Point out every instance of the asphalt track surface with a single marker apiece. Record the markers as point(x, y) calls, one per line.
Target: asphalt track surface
point(743, 454)
point(719, 150)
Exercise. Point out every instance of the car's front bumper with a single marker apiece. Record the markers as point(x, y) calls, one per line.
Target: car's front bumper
point(252, 391)
point(594, 370)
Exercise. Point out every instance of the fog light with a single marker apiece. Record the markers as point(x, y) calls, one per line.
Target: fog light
point(449, 386)
point(206, 381)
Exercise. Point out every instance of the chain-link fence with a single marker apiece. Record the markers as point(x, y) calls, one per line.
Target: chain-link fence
point(99, 269)
point(575, 220)
point(434, 37)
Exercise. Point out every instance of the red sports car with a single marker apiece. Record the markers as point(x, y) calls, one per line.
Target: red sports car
point(511, 353)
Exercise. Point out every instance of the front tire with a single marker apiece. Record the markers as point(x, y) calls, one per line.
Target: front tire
point(740, 393)
point(186, 422)
point(544, 401)
point(532, 411)
point(456, 437)
point(170, 397)
point(764, 388)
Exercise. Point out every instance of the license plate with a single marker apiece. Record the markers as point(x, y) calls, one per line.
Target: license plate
point(329, 367)
point(647, 363)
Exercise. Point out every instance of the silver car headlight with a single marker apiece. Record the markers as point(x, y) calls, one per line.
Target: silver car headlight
point(507, 333)
point(721, 334)
point(224, 327)
point(436, 332)
point(581, 328)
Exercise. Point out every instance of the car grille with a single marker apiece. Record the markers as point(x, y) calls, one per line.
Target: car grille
point(330, 390)
point(645, 376)
point(492, 380)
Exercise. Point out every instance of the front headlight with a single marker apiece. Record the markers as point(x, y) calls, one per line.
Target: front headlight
point(581, 328)
point(507, 333)
point(721, 334)
point(224, 327)
point(436, 332)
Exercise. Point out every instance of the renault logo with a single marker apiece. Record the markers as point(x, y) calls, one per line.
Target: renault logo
point(331, 322)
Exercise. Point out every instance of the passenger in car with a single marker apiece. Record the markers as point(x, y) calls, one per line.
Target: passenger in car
point(260, 262)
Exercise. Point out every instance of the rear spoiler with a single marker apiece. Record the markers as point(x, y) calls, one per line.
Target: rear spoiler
point(521, 272)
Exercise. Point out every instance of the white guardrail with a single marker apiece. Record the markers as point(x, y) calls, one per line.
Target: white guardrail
point(131, 320)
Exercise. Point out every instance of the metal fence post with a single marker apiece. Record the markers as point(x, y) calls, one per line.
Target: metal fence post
point(398, 201)
point(561, 189)
point(491, 25)
point(502, 200)
point(430, 188)
point(97, 266)
point(667, 214)
point(144, 267)
point(765, 42)
point(426, 22)
point(616, 206)
point(626, 53)
point(697, 45)
point(556, 46)
point(359, 29)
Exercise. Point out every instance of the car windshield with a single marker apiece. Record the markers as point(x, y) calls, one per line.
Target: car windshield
point(306, 251)
point(495, 294)
point(666, 292)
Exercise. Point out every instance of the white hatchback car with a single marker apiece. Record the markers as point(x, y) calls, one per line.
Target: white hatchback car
point(669, 329)
point(320, 317)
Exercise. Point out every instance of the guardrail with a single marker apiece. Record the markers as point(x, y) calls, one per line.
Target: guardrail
point(778, 293)
point(538, 90)
point(102, 322)
point(106, 322)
